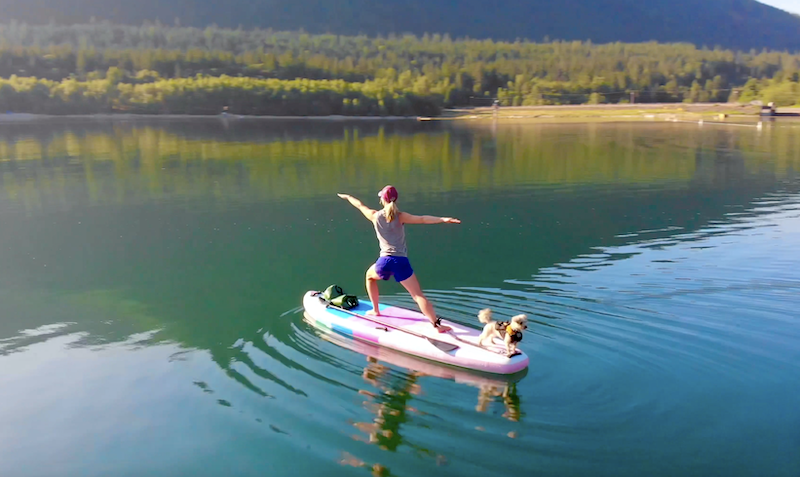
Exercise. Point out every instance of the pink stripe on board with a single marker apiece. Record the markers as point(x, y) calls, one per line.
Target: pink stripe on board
point(365, 336)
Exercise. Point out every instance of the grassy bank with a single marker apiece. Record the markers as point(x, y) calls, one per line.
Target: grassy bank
point(610, 112)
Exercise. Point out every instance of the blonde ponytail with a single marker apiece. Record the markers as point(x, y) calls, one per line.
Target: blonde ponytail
point(391, 211)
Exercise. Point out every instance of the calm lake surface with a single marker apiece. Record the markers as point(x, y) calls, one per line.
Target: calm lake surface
point(151, 276)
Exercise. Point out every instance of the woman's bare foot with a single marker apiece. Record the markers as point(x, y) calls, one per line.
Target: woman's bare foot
point(374, 313)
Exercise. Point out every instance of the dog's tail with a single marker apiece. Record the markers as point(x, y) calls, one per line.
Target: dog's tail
point(485, 315)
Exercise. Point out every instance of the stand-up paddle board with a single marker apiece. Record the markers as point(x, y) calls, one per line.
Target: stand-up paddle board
point(410, 332)
point(410, 363)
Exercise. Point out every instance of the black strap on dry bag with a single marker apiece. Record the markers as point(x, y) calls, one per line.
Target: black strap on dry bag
point(345, 301)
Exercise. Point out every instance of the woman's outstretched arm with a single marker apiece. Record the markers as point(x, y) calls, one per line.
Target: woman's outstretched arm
point(407, 218)
point(368, 213)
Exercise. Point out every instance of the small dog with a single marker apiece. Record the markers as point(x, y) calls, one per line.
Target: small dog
point(508, 331)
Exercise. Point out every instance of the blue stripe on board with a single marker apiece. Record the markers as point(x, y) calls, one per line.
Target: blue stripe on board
point(362, 308)
point(341, 330)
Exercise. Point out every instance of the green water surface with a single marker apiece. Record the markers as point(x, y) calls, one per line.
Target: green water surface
point(151, 276)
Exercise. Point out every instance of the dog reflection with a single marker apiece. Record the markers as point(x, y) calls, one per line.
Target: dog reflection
point(378, 470)
point(487, 394)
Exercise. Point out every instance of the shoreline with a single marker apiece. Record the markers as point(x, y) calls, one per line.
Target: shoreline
point(30, 117)
point(675, 112)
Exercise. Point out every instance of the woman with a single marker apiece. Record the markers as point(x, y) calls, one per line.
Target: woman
point(388, 223)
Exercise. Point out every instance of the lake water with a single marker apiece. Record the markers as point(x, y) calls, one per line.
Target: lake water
point(151, 276)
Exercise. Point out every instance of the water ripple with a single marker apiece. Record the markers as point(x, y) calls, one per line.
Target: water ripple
point(696, 317)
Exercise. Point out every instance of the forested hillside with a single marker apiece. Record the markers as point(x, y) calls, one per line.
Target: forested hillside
point(739, 24)
point(153, 68)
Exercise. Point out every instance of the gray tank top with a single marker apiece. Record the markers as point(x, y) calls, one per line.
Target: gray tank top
point(391, 236)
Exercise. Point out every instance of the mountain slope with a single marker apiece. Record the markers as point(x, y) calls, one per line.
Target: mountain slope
point(738, 24)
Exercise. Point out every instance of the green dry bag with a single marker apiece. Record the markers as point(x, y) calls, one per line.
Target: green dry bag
point(333, 291)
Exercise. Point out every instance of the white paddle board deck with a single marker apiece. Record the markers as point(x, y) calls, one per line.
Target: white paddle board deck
point(381, 354)
point(490, 358)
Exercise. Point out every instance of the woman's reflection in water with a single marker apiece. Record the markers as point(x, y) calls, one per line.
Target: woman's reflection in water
point(391, 408)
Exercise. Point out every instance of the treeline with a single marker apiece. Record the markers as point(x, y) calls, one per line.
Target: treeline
point(783, 90)
point(213, 95)
point(437, 69)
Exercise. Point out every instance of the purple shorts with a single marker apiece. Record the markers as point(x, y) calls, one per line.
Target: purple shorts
point(400, 267)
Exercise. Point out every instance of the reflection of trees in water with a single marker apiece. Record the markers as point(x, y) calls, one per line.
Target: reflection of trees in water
point(105, 317)
point(227, 357)
point(134, 162)
point(720, 164)
point(110, 317)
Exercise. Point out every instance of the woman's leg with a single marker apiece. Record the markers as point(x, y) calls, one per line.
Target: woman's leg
point(372, 290)
point(411, 284)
